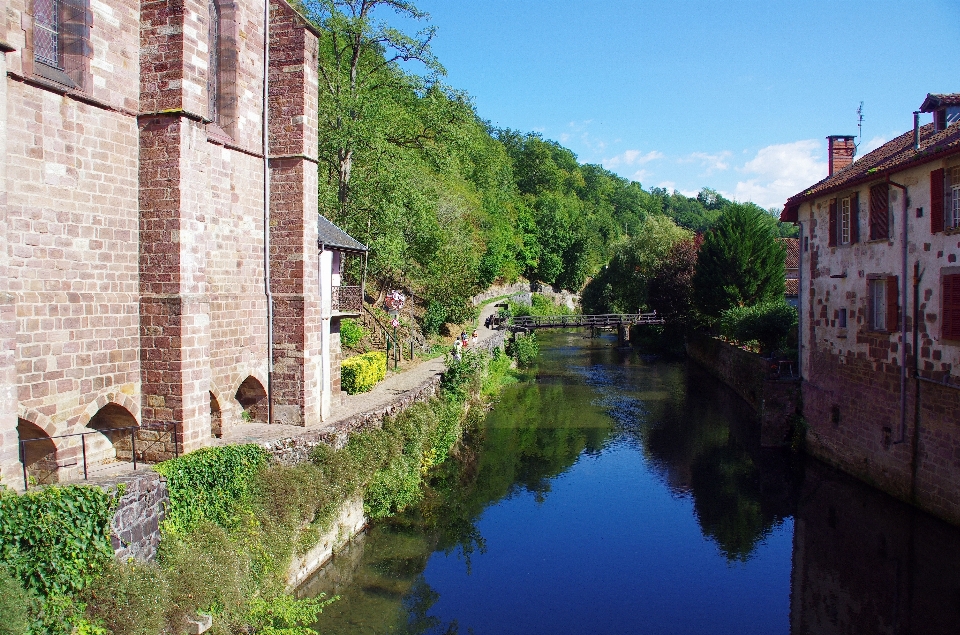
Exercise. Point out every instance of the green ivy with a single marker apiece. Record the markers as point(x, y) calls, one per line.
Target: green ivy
point(56, 539)
point(210, 484)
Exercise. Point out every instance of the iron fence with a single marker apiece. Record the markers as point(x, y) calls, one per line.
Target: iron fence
point(113, 434)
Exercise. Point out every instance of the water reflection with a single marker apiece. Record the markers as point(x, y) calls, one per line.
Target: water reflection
point(652, 449)
point(866, 563)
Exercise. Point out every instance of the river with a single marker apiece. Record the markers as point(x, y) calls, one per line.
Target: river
point(613, 493)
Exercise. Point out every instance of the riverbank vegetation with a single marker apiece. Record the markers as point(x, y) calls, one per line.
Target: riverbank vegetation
point(447, 202)
point(234, 522)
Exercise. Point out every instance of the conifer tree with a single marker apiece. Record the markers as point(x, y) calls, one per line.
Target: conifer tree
point(741, 262)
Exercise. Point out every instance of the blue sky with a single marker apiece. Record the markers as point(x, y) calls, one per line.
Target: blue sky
point(734, 95)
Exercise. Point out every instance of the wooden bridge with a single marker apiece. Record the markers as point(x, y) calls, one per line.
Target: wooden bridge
point(605, 321)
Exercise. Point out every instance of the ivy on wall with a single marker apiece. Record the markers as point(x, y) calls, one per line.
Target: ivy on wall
point(56, 539)
point(209, 484)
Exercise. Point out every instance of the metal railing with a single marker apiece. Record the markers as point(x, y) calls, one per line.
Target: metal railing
point(607, 320)
point(346, 299)
point(107, 432)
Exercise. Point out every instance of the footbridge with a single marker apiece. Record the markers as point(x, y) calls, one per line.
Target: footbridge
point(604, 321)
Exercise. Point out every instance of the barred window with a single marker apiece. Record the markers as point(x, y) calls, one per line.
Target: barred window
point(223, 53)
point(61, 41)
point(46, 35)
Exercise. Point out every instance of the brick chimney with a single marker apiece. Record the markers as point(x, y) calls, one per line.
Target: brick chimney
point(840, 150)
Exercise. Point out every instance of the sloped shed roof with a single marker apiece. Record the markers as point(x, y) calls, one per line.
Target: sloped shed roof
point(329, 235)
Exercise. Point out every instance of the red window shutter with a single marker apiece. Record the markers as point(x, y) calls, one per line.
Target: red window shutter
point(854, 218)
point(832, 239)
point(893, 303)
point(936, 201)
point(951, 307)
point(879, 214)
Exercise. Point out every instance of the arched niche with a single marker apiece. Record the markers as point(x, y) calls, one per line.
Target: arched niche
point(253, 400)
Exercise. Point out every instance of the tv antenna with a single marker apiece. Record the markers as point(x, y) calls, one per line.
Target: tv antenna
point(859, 126)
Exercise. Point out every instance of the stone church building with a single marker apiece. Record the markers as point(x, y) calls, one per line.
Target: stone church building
point(160, 279)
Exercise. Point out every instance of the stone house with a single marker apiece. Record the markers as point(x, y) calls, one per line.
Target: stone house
point(880, 310)
point(161, 273)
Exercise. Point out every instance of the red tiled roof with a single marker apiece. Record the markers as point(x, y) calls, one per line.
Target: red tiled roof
point(934, 101)
point(891, 157)
point(793, 287)
point(792, 247)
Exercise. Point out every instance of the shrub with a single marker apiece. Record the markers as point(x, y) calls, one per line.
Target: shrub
point(361, 373)
point(350, 333)
point(524, 349)
point(207, 485)
point(434, 318)
point(56, 540)
point(772, 325)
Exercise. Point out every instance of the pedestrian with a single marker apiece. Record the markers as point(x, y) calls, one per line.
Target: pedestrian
point(463, 339)
point(476, 338)
point(457, 350)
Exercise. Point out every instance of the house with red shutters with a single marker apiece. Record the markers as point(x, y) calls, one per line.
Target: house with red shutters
point(879, 295)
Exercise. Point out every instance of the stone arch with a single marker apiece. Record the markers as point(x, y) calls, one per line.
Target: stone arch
point(39, 454)
point(216, 417)
point(116, 439)
point(126, 402)
point(252, 397)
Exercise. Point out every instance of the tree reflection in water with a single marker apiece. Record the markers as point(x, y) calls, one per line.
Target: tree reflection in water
point(861, 562)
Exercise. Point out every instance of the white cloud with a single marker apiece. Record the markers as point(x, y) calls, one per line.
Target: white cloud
point(781, 171)
point(711, 163)
point(870, 146)
point(630, 158)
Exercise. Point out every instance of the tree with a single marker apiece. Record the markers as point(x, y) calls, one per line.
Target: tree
point(356, 67)
point(741, 262)
point(670, 291)
point(623, 285)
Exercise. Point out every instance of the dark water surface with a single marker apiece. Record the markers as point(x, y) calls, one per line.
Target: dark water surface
point(610, 494)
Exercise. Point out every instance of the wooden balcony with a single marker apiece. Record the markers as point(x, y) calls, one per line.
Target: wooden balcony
point(346, 300)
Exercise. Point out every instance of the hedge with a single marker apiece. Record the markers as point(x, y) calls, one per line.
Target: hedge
point(361, 373)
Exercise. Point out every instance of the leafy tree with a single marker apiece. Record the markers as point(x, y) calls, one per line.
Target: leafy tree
point(358, 54)
point(741, 262)
point(623, 285)
point(670, 291)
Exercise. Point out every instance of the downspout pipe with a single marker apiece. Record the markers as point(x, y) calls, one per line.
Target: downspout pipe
point(800, 305)
point(265, 136)
point(904, 293)
point(916, 131)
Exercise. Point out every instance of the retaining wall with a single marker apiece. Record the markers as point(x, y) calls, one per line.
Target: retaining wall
point(571, 300)
point(774, 400)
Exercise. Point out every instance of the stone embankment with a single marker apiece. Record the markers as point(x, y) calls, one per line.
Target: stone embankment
point(748, 374)
point(136, 524)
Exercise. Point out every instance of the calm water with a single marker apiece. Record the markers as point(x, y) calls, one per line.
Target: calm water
point(613, 494)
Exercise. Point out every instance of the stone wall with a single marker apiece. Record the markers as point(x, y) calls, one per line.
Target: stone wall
point(774, 400)
point(848, 429)
point(135, 530)
point(570, 300)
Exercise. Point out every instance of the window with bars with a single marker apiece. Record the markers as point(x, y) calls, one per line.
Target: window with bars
point(223, 51)
point(46, 32)
point(60, 42)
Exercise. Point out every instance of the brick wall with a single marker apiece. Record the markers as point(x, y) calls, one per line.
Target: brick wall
point(852, 405)
point(132, 231)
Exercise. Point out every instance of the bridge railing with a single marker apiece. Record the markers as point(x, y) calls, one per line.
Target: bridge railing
point(606, 320)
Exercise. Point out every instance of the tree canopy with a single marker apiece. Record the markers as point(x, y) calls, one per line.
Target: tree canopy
point(741, 262)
